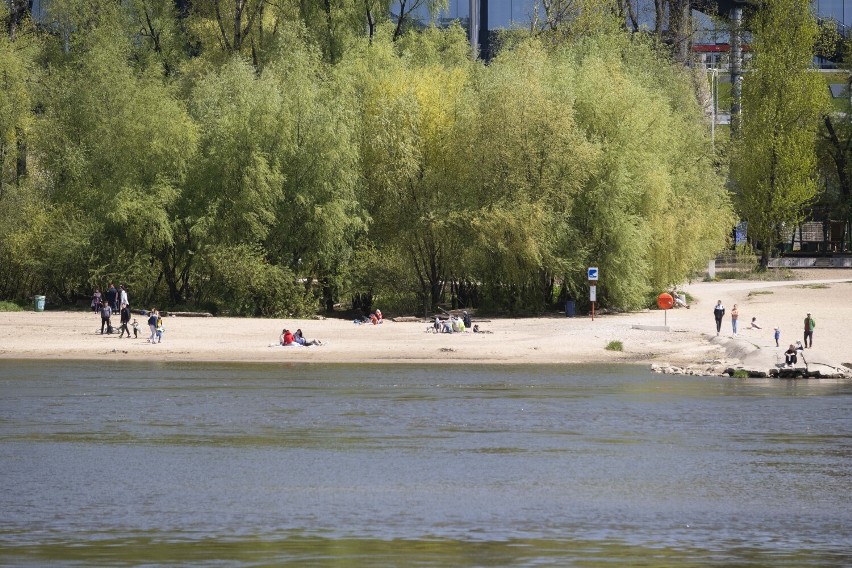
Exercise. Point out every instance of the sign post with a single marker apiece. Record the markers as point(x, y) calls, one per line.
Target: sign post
point(665, 303)
point(592, 275)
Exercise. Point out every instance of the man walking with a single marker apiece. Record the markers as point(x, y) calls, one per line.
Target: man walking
point(719, 313)
point(125, 319)
point(809, 330)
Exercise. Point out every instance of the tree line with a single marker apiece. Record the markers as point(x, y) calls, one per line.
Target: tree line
point(279, 159)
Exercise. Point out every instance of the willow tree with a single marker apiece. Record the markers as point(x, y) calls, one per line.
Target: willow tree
point(533, 161)
point(115, 145)
point(774, 158)
point(318, 220)
point(653, 208)
point(412, 110)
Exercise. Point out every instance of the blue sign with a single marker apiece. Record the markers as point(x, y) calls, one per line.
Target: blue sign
point(593, 273)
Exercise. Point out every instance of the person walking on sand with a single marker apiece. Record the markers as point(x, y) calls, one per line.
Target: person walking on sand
point(125, 319)
point(735, 316)
point(809, 331)
point(152, 325)
point(719, 313)
point(777, 336)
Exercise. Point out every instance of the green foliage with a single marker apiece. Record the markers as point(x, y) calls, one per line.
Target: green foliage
point(299, 160)
point(10, 307)
point(740, 374)
point(241, 281)
point(614, 346)
point(774, 163)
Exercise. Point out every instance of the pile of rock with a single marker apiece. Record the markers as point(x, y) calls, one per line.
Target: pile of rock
point(720, 368)
point(712, 368)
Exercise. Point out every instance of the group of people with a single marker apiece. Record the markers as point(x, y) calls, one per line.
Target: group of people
point(290, 339)
point(374, 318)
point(791, 356)
point(114, 298)
point(453, 324)
point(155, 324)
point(115, 301)
point(791, 352)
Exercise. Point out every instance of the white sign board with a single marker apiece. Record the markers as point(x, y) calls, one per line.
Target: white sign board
point(593, 273)
point(593, 293)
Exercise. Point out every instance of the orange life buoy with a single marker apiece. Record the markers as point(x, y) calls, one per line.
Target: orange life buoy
point(665, 301)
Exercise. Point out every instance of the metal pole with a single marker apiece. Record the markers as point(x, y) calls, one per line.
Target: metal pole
point(714, 93)
point(736, 65)
point(473, 28)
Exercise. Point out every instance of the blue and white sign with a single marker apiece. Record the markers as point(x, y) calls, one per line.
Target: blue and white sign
point(593, 273)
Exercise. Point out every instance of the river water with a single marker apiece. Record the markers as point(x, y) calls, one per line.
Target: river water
point(107, 463)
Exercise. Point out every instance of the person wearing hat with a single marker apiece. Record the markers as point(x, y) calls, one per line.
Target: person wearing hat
point(809, 331)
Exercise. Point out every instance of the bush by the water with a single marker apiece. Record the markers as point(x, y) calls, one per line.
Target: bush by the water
point(615, 346)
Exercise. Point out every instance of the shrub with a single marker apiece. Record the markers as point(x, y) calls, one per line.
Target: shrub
point(615, 346)
point(10, 307)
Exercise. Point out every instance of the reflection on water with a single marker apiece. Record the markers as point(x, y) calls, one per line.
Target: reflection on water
point(156, 464)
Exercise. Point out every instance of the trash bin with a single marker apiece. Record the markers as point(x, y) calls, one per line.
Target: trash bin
point(39, 303)
point(570, 307)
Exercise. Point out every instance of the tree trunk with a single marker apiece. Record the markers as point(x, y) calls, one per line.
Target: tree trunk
point(21, 147)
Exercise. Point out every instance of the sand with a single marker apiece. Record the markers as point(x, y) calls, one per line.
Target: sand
point(556, 339)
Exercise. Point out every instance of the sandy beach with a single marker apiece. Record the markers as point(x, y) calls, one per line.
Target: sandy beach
point(691, 340)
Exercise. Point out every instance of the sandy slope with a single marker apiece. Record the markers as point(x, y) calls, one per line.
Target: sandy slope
point(555, 339)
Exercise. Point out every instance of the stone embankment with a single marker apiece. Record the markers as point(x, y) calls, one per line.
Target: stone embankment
point(749, 359)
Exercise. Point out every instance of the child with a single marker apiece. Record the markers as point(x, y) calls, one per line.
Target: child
point(777, 336)
point(160, 329)
point(135, 327)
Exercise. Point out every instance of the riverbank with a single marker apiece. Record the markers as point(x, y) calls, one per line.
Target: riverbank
point(691, 341)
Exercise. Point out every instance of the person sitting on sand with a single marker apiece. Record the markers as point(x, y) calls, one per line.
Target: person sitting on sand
point(287, 338)
point(300, 339)
point(754, 324)
point(790, 356)
point(679, 299)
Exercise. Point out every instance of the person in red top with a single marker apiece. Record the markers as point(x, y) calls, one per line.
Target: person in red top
point(287, 338)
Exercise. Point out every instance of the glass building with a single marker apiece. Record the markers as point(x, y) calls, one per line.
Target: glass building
point(507, 14)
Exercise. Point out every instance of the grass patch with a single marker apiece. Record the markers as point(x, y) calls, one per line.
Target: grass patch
point(740, 374)
point(10, 307)
point(814, 286)
point(760, 293)
point(614, 346)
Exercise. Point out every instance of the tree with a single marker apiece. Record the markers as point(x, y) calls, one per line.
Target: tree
point(774, 159)
point(413, 109)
